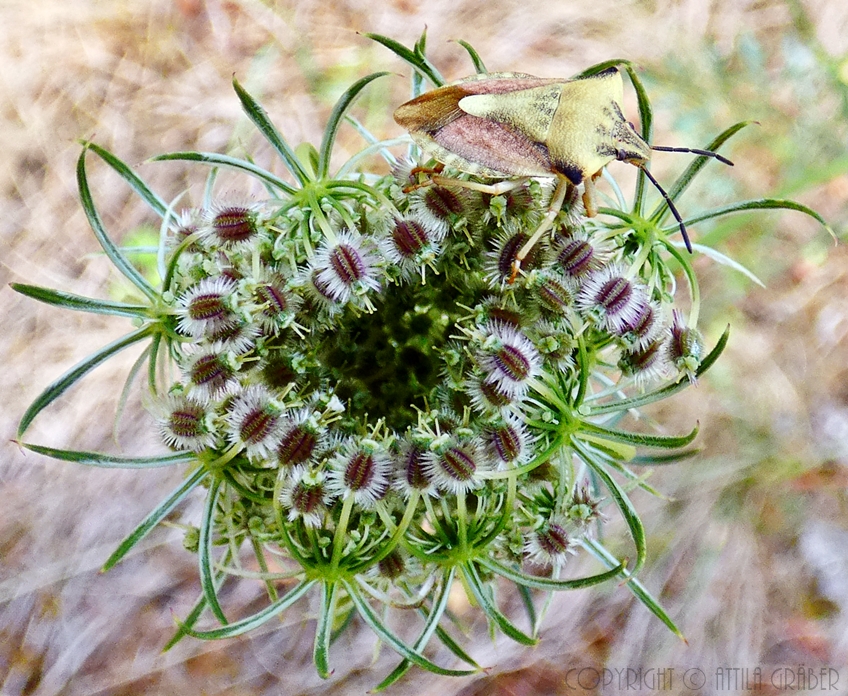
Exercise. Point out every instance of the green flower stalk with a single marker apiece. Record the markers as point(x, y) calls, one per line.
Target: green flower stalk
point(367, 394)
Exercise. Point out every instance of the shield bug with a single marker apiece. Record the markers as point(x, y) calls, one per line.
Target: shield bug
point(514, 126)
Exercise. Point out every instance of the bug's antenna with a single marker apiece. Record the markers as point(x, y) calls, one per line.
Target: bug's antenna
point(705, 153)
point(670, 207)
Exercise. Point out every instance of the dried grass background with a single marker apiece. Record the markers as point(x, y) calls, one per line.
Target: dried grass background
point(749, 553)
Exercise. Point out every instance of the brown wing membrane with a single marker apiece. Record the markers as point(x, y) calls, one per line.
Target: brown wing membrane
point(431, 111)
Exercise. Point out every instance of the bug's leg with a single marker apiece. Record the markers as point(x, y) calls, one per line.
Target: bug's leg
point(414, 187)
point(590, 195)
point(433, 178)
point(427, 170)
point(492, 189)
point(557, 199)
point(430, 174)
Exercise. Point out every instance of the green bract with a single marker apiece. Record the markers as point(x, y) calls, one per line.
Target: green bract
point(367, 399)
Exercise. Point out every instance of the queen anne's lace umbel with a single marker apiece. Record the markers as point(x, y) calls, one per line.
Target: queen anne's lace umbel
point(378, 405)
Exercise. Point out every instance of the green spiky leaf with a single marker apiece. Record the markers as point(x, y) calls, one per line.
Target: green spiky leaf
point(263, 123)
point(77, 372)
point(112, 251)
point(112, 461)
point(159, 513)
point(217, 160)
point(330, 130)
point(417, 61)
point(67, 300)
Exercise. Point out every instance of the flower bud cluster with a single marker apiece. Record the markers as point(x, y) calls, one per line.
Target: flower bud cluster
point(391, 356)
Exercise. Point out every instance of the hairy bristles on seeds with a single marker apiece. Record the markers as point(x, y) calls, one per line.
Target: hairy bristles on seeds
point(643, 327)
point(231, 226)
point(412, 244)
point(237, 338)
point(611, 299)
point(509, 359)
point(299, 440)
point(189, 224)
point(576, 255)
point(253, 421)
point(346, 267)
point(207, 307)
point(305, 497)
point(210, 374)
point(360, 470)
point(487, 397)
point(435, 206)
point(684, 347)
point(554, 293)
point(647, 363)
point(454, 467)
point(186, 425)
point(550, 545)
point(411, 471)
point(509, 441)
point(273, 306)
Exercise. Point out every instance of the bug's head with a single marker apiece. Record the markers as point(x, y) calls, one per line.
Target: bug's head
point(629, 146)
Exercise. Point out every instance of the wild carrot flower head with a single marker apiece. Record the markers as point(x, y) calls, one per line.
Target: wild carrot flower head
point(382, 383)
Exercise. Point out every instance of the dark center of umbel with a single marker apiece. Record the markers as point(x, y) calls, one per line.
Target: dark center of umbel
point(387, 362)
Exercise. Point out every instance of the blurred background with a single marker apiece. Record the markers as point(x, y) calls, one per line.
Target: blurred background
point(748, 552)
